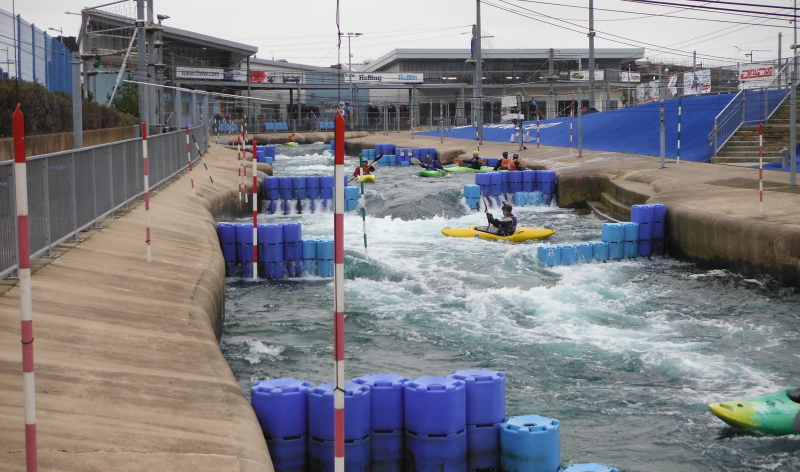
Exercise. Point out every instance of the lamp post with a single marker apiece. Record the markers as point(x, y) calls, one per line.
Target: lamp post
point(350, 68)
point(60, 33)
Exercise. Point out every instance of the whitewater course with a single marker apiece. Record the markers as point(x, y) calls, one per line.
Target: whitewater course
point(626, 355)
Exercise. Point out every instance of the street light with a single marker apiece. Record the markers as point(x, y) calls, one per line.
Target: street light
point(60, 33)
point(350, 63)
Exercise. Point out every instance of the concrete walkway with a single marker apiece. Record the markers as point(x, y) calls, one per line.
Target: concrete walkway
point(129, 374)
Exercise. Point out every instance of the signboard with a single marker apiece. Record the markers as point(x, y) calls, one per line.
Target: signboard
point(583, 75)
point(756, 75)
point(697, 82)
point(627, 76)
point(212, 73)
point(385, 78)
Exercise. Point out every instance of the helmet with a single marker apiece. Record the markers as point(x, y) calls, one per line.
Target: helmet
point(364, 159)
point(516, 156)
point(505, 153)
point(476, 154)
point(507, 207)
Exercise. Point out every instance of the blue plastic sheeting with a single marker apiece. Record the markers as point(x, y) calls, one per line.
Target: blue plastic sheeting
point(633, 130)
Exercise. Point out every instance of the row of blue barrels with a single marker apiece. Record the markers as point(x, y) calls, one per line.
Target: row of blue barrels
point(473, 198)
point(265, 154)
point(282, 252)
point(651, 219)
point(510, 182)
point(429, 423)
point(279, 191)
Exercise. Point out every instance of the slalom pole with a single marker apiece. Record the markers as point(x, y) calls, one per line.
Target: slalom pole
point(760, 168)
point(680, 113)
point(364, 218)
point(338, 298)
point(239, 166)
point(538, 128)
point(255, 214)
point(146, 191)
point(571, 118)
point(25, 302)
point(199, 153)
point(189, 158)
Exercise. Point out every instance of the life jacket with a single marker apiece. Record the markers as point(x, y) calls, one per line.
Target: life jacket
point(507, 164)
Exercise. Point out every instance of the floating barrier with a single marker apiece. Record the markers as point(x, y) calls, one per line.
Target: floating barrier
point(527, 187)
point(446, 452)
point(387, 421)
point(296, 194)
point(486, 409)
point(530, 444)
point(321, 455)
point(282, 251)
point(281, 406)
point(357, 411)
point(435, 405)
point(651, 219)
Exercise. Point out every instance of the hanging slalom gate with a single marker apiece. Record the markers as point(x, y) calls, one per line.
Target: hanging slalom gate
point(392, 424)
point(641, 237)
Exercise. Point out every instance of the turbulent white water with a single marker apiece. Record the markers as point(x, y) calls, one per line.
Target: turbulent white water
point(626, 355)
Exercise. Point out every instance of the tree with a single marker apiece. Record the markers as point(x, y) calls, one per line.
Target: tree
point(127, 98)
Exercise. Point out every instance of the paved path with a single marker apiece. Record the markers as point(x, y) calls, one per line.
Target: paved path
point(129, 375)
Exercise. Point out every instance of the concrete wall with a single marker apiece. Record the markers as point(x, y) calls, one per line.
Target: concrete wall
point(47, 143)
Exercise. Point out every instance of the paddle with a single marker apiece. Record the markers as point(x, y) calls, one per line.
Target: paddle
point(373, 162)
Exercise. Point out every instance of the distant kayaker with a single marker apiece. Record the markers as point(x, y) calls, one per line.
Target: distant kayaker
point(432, 164)
point(474, 163)
point(505, 226)
point(366, 168)
point(506, 163)
point(290, 139)
point(518, 163)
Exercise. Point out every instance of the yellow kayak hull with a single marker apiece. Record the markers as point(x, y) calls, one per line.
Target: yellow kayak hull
point(522, 234)
point(367, 178)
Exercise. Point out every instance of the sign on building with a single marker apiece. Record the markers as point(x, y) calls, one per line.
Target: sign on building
point(756, 75)
point(385, 78)
point(697, 82)
point(583, 75)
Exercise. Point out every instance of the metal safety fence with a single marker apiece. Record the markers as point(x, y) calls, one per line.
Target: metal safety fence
point(71, 191)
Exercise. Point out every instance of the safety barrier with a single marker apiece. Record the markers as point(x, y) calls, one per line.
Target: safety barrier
point(642, 237)
point(520, 188)
point(265, 154)
point(297, 194)
point(282, 252)
point(393, 423)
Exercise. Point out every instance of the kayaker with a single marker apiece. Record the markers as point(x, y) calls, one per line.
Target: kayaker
point(432, 164)
point(505, 226)
point(474, 163)
point(366, 168)
point(518, 163)
point(505, 163)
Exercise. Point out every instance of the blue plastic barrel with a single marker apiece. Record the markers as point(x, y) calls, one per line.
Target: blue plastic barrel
point(505, 182)
point(616, 251)
point(530, 444)
point(442, 452)
point(491, 161)
point(483, 446)
point(535, 198)
point(546, 180)
point(642, 213)
point(387, 451)
point(325, 249)
point(326, 186)
point(244, 242)
point(585, 252)
point(387, 405)
point(549, 254)
point(270, 243)
point(391, 160)
point(292, 241)
point(645, 231)
point(612, 233)
point(227, 240)
point(269, 151)
point(496, 183)
point(589, 467)
point(569, 254)
point(659, 212)
point(313, 186)
point(321, 455)
point(281, 406)
point(515, 179)
point(472, 191)
point(309, 248)
point(630, 249)
point(599, 250)
point(288, 454)
point(435, 405)
point(271, 188)
point(356, 411)
point(631, 231)
point(273, 270)
point(486, 394)
point(521, 198)
point(299, 188)
point(645, 247)
point(528, 180)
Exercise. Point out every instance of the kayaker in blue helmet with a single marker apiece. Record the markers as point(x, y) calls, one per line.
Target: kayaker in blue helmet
point(366, 168)
point(432, 163)
point(505, 226)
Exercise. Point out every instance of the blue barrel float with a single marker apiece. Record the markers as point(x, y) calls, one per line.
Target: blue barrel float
point(281, 406)
point(309, 256)
point(292, 249)
point(614, 235)
point(486, 409)
point(436, 421)
point(227, 239)
point(530, 444)
point(550, 254)
point(270, 253)
point(356, 427)
point(387, 421)
point(325, 252)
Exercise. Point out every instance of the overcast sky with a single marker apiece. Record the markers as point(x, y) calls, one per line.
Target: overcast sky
point(305, 31)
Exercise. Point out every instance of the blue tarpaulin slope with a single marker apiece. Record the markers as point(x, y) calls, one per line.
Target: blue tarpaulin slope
point(634, 130)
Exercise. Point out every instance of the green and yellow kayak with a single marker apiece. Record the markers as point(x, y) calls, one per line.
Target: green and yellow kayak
point(777, 413)
point(522, 233)
point(467, 169)
point(431, 173)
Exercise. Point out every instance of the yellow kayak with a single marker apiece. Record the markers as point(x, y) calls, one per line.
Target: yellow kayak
point(367, 178)
point(522, 234)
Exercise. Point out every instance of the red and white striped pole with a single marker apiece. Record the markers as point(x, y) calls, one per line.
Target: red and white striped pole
point(571, 116)
point(25, 301)
point(338, 297)
point(761, 167)
point(189, 158)
point(255, 213)
point(239, 164)
point(146, 191)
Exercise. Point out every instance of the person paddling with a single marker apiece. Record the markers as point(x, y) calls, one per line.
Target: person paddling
point(505, 226)
point(474, 163)
point(432, 164)
point(366, 168)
